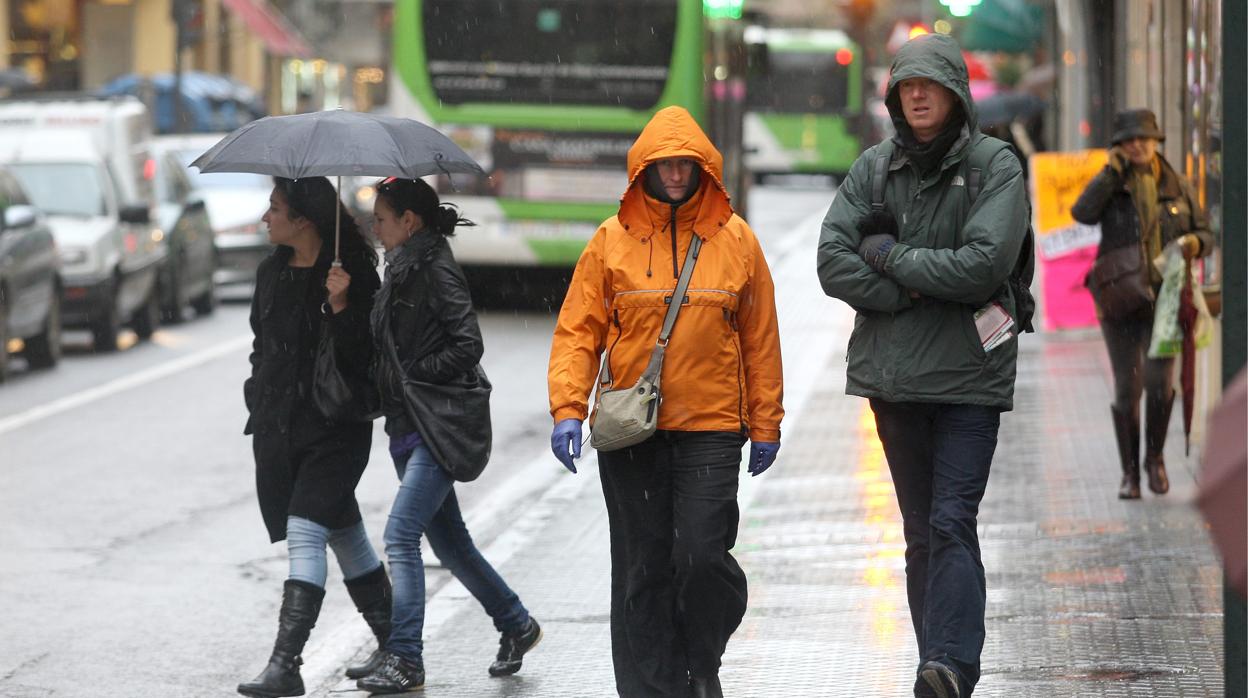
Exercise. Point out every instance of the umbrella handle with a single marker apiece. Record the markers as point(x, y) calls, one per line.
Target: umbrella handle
point(338, 222)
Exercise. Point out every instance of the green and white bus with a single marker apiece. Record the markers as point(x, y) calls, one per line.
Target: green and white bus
point(804, 101)
point(548, 95)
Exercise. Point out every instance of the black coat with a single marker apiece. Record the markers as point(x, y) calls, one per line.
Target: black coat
point(436, 335)
point(1107, 201)
point(306, 465)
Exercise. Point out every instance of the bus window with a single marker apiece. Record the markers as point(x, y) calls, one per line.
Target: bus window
point(601, 53)
point(797, 82)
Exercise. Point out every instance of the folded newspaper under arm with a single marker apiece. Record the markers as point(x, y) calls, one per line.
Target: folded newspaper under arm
point(994, 325)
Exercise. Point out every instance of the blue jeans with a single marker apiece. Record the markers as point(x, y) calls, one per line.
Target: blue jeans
point(426, 505)
point(939, 457)
point(306, 541)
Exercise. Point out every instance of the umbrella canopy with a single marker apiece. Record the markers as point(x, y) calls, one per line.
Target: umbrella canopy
point(1187, 369)
point(1224, 479)
point(342, 143)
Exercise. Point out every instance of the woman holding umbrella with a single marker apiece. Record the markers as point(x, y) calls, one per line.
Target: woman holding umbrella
point(307, 466)
point(436, 402)
point(1143, 205)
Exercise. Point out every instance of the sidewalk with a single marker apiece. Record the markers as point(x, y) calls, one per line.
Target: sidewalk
point(1087, 595)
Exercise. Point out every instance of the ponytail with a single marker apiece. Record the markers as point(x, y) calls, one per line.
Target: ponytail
point(417, 196)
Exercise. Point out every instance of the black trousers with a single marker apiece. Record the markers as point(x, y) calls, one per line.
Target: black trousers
point(677, 594)
point(1126, 340)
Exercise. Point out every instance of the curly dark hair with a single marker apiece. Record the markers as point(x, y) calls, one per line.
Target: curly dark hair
point(315, 199)
point(417, 196)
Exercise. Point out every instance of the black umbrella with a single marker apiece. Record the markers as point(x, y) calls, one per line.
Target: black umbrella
point(337, 143)
point(1004, 107)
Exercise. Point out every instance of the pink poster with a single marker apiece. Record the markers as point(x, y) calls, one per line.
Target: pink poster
point(1067, 303)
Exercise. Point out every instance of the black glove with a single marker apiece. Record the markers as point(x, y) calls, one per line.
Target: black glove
point(874, 250)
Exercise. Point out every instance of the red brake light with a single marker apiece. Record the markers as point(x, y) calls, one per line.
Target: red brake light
point(149, 169)
point(844, 56)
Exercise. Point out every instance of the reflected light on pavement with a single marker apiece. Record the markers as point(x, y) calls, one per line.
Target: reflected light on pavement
point(884, 570)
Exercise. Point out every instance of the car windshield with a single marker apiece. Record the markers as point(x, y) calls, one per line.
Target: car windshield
point(67, 189)
point(221, 180)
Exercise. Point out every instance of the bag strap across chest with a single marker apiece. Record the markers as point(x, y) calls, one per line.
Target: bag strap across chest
point(674, 303)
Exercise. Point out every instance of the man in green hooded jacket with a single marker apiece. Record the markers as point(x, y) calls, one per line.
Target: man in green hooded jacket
point(938, 247)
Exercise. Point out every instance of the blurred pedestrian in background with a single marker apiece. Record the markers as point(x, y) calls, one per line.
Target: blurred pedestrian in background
point(1143, 206)
point(677, 594)
point(923, 240)
point(436, 401)
point(307, 466)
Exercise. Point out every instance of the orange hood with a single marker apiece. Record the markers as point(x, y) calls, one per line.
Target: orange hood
point(672, 133)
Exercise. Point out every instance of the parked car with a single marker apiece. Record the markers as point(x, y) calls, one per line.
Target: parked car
point(235, 203)
point(110, 252)
point(30, 293)
point(187, 273)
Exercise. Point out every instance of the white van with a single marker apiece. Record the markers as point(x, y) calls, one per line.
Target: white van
point(87, 164)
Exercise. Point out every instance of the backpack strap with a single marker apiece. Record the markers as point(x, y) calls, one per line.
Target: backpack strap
point(982, 152)
point(879, 173)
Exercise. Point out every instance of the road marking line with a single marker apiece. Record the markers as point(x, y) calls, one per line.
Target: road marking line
point(122, 384)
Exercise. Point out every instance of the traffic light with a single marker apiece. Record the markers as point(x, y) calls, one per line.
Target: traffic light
point(859, 12)
point(960, 8)
point(188, 17)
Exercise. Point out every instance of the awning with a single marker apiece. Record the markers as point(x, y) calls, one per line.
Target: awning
point(267, 23)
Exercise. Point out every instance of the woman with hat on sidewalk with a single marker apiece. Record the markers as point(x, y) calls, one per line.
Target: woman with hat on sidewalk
point(1143, 205)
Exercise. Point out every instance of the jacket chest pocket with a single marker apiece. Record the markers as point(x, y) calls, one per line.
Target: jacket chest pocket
point(934, 215)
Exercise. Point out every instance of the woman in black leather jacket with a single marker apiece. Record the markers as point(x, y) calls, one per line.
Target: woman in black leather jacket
point(307, 466)
point(426, 336)
point(1140, 201)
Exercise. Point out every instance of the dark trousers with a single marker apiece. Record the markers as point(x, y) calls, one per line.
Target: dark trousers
point(677, 594)
point(939, 457)
point(1127, 341)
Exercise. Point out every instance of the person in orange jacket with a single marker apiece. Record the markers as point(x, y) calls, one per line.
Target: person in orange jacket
point(677, 594)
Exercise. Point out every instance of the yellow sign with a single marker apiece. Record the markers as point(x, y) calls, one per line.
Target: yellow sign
point(1057, 180)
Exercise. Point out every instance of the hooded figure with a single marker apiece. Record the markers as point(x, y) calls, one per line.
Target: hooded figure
point(918, 270)
point(675, 600)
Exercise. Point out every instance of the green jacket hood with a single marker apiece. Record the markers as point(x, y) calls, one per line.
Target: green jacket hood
point(936, 57)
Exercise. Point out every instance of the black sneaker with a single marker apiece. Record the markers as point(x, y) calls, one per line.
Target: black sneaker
point(395, 675)
point(942, 680)
point(513, 645)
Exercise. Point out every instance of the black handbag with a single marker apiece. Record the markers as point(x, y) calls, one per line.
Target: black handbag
point(454, 421)
point(1119, 282)
point(340, 391)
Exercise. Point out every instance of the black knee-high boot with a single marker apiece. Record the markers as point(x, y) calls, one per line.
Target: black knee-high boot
point(1127, 433)
point(1157, 423)
point(301, 604)
point(372, 597)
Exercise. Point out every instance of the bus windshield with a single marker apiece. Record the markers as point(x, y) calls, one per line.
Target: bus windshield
point(559, 52)
point(799, 82)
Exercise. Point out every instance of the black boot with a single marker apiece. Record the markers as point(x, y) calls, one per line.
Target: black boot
point(1157, 417)
point(372, 597)
point(1127, 432)
point(301, 604)
point(705, 687)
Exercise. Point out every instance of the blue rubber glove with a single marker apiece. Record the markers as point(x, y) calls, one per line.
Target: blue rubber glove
point(762, 455)
point(565, 441)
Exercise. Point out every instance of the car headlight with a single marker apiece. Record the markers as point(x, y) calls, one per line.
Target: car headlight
point(74, 256)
